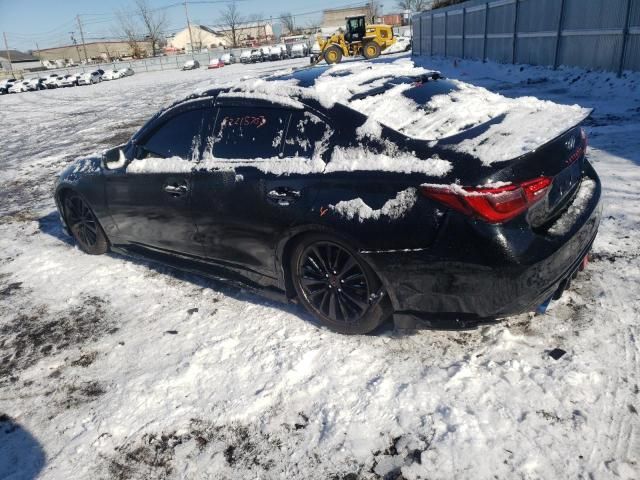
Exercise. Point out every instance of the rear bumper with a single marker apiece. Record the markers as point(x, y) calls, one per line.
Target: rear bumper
point(423, 286)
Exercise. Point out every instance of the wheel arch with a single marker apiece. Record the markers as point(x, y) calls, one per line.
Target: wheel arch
point(65, 189)
point(288, 243)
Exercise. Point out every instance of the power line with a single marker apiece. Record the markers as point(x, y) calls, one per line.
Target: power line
point(56, 35)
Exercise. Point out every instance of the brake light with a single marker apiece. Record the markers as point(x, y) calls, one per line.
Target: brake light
point(493, 205)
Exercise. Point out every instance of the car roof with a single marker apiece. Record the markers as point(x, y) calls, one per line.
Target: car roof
point(321, 87)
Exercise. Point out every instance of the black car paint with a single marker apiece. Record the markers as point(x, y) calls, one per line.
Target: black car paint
point(430, 261)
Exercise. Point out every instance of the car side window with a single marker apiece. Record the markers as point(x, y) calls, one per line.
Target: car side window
point(177, 137)
point(249, 132)
point(307, 136)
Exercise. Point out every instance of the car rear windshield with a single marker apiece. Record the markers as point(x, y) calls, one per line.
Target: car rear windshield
point(423, 92)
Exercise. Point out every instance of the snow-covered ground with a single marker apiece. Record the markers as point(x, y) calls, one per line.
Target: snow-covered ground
point(112, 368)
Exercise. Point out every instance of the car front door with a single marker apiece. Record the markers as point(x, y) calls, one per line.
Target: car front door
point(251, 191)
point(149, 195)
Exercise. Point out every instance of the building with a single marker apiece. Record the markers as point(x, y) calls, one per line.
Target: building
point(247, 34)
point(393, 19)
point(19, 61)
point(333, 19)
point(100, 51)
point(251, 34)
point(202, 36)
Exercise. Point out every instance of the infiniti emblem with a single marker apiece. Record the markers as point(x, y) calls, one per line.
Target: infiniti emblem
point(570, 143)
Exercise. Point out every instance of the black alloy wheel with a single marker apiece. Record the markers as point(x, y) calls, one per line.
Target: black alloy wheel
point(336, 286)
point(84, 225)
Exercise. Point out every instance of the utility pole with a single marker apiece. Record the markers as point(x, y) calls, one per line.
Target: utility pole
point(75, 43)
point(186, 12)
point(6, 47)
point(84, 47)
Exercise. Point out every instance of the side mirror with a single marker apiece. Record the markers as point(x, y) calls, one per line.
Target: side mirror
point(114, 159)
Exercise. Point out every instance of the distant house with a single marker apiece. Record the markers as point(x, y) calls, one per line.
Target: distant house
point(19, 60)
point(202, 37)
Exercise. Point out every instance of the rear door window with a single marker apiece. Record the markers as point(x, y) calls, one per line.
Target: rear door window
point(249, 132)
point(307, 136)
point(177, 137)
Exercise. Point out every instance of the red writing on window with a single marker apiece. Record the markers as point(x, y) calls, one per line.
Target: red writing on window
point(245, 121)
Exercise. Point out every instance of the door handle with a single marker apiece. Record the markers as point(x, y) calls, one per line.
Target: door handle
point(176, 189)
point(283, 195)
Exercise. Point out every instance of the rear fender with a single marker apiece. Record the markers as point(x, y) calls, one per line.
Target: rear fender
point(287, 243)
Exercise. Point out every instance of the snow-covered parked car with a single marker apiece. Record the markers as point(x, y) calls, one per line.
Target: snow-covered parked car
point(125, 72)
point(277, 52)
point(191, 65)
point(69, 80)
point(36, 84)
point(299, 50)
point(6, 84)
point(258, 55)
point(403, 44)
point(89, 78)
point(19, 86)
point(215, 63)
point(110, 75)
point(53, 80)
point(371, 191)
point(245, 56)
point(228, 58)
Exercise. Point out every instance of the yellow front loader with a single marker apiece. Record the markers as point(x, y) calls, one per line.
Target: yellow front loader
point(358, 39)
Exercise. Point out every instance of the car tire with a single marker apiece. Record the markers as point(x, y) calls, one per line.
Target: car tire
point(84, 225)
point(332, 54)
point(336, 286)
point(371, 50)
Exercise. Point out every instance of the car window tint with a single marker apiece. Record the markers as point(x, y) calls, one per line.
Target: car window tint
point(179, 136)
point(249, 132)
point(307, 135)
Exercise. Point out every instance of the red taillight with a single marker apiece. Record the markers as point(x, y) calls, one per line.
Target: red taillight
point(494, 205)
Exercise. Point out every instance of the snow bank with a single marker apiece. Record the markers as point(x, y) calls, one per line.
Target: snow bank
point(392, 209)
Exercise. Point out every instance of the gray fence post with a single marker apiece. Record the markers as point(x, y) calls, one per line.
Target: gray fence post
point(145, 65)
point(431, 46)
point(419, 34)
point(559, 35)
point(464, 19)
point(446, 20)
point(486, 26)
point(625, 39)
point(515, 32)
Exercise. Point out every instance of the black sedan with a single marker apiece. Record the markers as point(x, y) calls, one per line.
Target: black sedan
point(255, 188)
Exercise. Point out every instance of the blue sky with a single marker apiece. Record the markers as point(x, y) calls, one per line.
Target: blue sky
point(49, 22)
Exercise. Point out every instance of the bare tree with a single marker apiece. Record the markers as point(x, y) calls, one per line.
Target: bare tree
point(414, 5)
point(154, 23)
point(288, 23)
point(231, 20)
point(373, 9)
point(129, 30)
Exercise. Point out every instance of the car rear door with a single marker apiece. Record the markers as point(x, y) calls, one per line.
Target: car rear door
point(149, 198)
point(251, 192)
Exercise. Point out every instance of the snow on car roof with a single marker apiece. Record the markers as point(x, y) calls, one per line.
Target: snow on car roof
point(390, 93)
